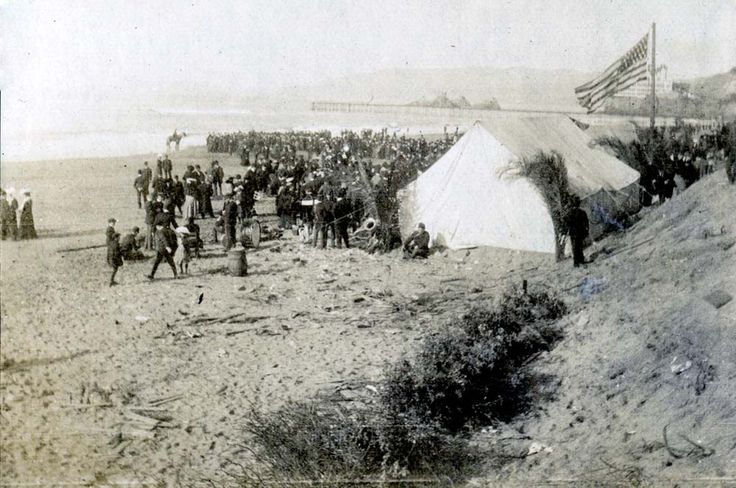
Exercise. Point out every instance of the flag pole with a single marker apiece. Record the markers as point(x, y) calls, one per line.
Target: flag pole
point(654, 76)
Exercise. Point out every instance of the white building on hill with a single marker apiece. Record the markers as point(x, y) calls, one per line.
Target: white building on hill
point(643, 88)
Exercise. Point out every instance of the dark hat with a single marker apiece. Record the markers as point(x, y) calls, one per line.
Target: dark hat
point(135, 229)
point(421, 225)
point(111, 220)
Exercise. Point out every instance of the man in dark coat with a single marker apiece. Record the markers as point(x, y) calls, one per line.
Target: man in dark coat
point(165, 247)
point(178, 193)
point(147, 175)
point(230, 216)
point(160, 166)
point(153, 208)
point(417, 244)
point(114, 257)
point(216, 175)
point(342, 213)
point(166, 219)
point(664, 185)
point(647, 184)
point(319, 239)
point(578, 228)
point(141, 188)
point(247, 197)
point(167, 166)
point(205, 199)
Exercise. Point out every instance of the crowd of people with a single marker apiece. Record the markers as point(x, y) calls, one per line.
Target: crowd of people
point(322, 185)
point(325, 185)
point(299, 166)
point(670, 159)
point(16, 220)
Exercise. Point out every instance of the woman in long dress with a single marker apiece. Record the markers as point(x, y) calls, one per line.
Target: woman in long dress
point(190, 207)
point(27, 227)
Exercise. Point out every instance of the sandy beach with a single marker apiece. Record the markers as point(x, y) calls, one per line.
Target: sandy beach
point(149, 382)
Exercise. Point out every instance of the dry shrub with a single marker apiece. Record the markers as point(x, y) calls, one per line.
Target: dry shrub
point(331, 444)
point(470, 372)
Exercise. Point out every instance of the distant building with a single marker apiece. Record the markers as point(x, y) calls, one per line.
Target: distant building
point(643, 88)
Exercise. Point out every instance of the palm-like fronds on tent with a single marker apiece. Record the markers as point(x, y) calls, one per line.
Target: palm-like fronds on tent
point(548, 173)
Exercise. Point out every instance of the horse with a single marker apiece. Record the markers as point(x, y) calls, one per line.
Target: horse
point(176, 139)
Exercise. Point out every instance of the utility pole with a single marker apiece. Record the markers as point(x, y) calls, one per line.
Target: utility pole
point(654, 76)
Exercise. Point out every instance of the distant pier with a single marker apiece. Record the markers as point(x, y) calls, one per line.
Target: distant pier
point(474, 113)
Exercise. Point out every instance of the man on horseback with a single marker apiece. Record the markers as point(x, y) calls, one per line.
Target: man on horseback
point(176, 139)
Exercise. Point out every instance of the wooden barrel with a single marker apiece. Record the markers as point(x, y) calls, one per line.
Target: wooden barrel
point(237, 263)
point(250, 235)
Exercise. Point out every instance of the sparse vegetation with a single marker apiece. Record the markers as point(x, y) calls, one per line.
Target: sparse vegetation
point(469, 373)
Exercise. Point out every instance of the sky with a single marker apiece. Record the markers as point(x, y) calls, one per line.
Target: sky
point(113, 49)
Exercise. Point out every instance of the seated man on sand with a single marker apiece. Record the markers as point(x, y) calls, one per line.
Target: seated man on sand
point(130, 245)
point(417, 245)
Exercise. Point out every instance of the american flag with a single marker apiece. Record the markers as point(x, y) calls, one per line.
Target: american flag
point(626, 71)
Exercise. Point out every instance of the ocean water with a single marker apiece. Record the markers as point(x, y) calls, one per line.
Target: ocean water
point(141, 131)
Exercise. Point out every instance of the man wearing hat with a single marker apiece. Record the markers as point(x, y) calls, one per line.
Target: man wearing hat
point(165, 247)
point(167, 166)
point(417, 245)
point(114, 256)
point(216, 175)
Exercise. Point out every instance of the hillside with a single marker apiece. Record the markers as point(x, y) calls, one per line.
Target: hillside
point(644, 351)
point(707, 97)
point(717, 87)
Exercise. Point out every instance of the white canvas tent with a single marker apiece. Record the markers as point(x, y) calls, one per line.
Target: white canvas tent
point(472, 197)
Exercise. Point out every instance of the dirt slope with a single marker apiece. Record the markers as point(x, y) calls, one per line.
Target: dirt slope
point(644, 350)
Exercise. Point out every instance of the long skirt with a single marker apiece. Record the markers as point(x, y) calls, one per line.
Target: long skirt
point(190, 207)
